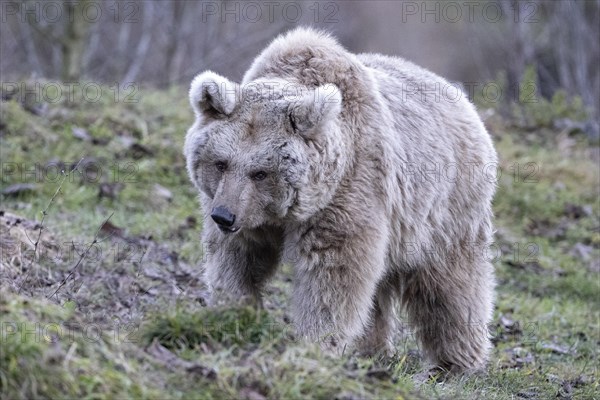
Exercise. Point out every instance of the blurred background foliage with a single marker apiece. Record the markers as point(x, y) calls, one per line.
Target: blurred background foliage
point(551, 44)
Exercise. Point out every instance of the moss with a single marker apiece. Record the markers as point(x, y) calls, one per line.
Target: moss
point(47, 353)
point(226, 327)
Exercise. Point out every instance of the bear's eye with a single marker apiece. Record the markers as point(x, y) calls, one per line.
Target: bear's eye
point(221, 166)
point(259, 176)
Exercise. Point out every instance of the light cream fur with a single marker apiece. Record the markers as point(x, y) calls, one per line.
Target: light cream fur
point(349, 146)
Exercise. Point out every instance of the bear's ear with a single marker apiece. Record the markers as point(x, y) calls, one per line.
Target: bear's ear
point(212, 95)
point(314, 108)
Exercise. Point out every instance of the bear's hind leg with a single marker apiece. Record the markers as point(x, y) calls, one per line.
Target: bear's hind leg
point(378, 336)
point(449, 308)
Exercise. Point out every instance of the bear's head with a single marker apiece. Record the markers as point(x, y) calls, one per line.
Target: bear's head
point(265, 153)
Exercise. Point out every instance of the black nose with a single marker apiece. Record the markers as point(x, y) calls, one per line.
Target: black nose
point(222, 216)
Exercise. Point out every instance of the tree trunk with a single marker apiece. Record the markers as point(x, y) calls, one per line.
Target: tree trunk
point(73, 40)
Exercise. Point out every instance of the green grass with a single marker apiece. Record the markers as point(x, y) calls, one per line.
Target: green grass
point(225, 327)
point(147, 299)
point(47, 352)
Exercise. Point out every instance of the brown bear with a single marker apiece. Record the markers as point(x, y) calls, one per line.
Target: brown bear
point(369, 178)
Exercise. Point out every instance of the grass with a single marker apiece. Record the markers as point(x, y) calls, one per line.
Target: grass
point(216, 327)
point(47, 352)
point(139, 291)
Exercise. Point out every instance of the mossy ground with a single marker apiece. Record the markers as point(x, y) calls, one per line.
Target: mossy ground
point(129, 322)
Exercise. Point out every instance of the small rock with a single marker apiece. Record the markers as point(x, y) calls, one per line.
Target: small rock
point(39, 109)
point(191, 222)
point(81, 134)
point(527, 394)
point(168, 358)
point(110, 229)
point(379, 373)
point(595, 266)
point(547, 228)
point(205, 371)
point(530, 266)
point(110, 190)
point(577, 211)
point(559, 186)
point(582, 251)
point(434, 374)
point(506, 322)
point(162, 192)
point(518, 357)
point(510, 326)
point(555, 348)
point(527, 359)
point(251, 394)
point(568, 125)
point(127, 141)
point(565, 391)
point(348, 396)
point(581, 380)
point(138, 151)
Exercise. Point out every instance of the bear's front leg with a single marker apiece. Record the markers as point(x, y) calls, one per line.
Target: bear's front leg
point(236, 267)
point(337, 269)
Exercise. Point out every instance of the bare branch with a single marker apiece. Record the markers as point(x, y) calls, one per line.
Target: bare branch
point(82, 257)
point(44, 214)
